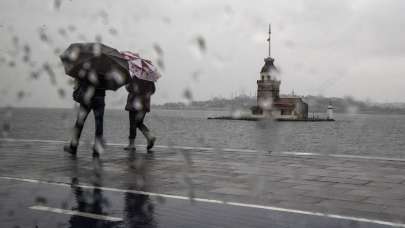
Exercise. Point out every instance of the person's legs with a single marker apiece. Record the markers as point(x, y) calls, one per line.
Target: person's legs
point(132, 131)
point(145, 130)
point(77, 129)
point(98, 111)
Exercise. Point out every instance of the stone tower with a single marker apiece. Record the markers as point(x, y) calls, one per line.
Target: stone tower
point(268, 87)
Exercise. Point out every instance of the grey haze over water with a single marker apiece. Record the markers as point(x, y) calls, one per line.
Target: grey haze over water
point(331, 48)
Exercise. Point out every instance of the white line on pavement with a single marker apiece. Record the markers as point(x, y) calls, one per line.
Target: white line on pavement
point(70, 212)
point(264, 207)
point(286, 153)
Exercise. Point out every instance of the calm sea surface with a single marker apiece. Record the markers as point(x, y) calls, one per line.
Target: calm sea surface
point(357, 134)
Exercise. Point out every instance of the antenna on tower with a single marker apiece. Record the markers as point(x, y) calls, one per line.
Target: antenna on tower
point(269, 40)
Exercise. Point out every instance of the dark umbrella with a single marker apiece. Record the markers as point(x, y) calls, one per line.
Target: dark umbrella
point(100, 65)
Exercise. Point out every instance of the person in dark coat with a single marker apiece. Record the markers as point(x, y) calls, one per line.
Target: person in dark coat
point(90, 99)
point(138, 104)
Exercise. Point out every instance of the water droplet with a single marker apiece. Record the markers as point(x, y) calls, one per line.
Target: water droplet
point(104, 17)
point(61, 93)
point(15, 41)
point(160, 63)
point(97, 48)
point(41, 200)
point(10, 213)
point(201, 43)
point(57, 51)
point(34, 75)
point(71, 28)
point(48, 69)
point(43, 36)
point(88, 95)
point(74, 54)
point(62, 32)
point(158, 49)
point(188, 94)
point(167, 20)
point(113, 31)
point(20, 95)
point(98, 38)
point(57, 4)
point(6, 128)
point(93, 77)
point(196, 75)
point(116, 76)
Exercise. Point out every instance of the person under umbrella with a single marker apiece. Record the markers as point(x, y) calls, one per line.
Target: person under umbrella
point(90, 99)
point(96, 68)
point(140, 89)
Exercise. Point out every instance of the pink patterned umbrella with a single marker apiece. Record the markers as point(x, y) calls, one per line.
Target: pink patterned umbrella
point(141, 68)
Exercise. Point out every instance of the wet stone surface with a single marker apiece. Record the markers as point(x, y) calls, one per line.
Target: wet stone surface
point(369, 189)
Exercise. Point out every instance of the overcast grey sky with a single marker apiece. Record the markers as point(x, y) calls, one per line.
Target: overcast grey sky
point(323, 47)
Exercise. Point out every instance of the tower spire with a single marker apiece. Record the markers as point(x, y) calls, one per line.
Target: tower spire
point(269, 40)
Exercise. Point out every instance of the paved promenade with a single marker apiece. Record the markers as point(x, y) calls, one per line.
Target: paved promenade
point(203, 187)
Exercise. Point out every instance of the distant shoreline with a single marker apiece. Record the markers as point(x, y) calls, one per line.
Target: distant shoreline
point(317, 104)
point(402, 112)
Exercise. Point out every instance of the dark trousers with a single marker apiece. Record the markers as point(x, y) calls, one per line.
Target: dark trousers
point(136, 121)
point(97, 104)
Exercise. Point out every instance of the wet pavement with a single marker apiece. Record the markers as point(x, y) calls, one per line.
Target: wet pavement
point(40, 186)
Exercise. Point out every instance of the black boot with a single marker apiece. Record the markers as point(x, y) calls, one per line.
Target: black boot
point(70, 149)
point(151, 143)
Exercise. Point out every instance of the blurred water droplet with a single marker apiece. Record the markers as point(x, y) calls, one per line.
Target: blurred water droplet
point(87, 65)
point(74, 54)
point(64, 205)
point(71, 81)
point(88, 95)
point(160, 199)
point(48, 69)
point(97, 49)
point(15, 41)
point(61, 93)
point(81, 37)
point(237, 114)
point(351, 109)
point(11, 64)
point(71, 28)
point(196, 75)
point(104, 16)
point(62, 32)
point(43, 36)
point(98, 38)
point(6, 128)
point(41, 200)
point(113, 31)
point(228, 10)
point(10, 213)
point(117, 76)
point(167, 20)
point(198, 47)
point(20, 95)
point(289, 44)
point(188, 94)
point(160, 63)
point(93, 77)
point(27, 49)
point(201, 43)
point(57, 4)
point(34, 75)
point(158, 49)
point(57, 51)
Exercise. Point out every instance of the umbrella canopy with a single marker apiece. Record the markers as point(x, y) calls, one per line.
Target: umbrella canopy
point(141, 68)
point(100, 65)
